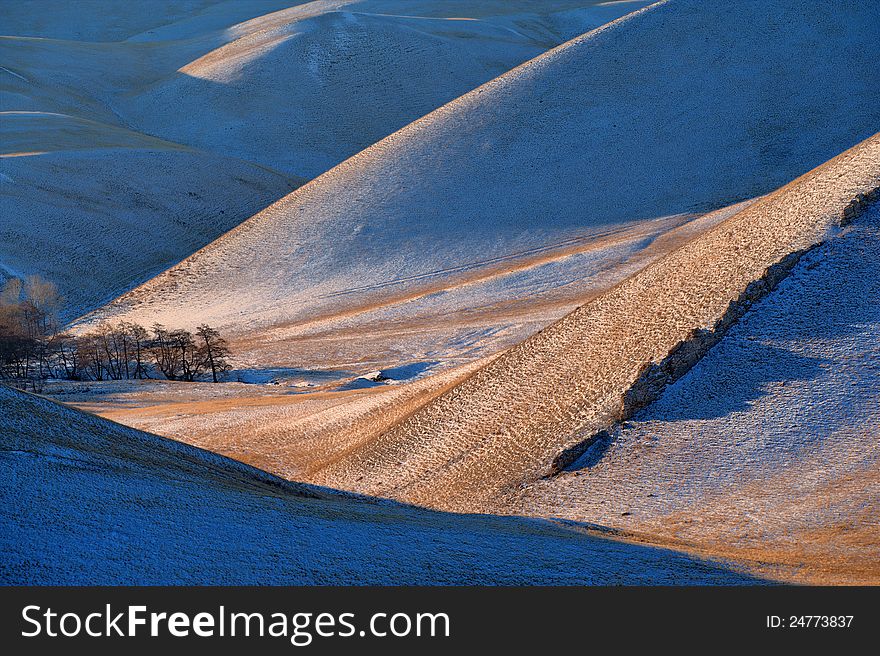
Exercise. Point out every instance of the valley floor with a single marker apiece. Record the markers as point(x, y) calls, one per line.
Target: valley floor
point(448, 244)
point(301, 394)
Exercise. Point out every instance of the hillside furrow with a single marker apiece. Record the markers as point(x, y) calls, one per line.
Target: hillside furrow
point(508, 422)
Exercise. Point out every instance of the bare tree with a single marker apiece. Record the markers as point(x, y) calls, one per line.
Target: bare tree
point(28, 323)
point(191, 364)
point(108, 350)
point(33, 348)
point(138, 337)
point(14, 342)
point(92, 358)
point(44, 302)
point(163, 352)
point(214, 351)
point(69, 359)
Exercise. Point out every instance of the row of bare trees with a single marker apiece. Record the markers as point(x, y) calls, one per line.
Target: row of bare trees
point(33, 348)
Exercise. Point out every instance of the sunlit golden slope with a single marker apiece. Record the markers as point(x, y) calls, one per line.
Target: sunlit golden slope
point(472, 447)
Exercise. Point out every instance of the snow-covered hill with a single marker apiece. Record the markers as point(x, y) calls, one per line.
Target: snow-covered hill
point(770, 443)
point(87, 501)
point(105, 21)
point(287, 86)
point(684, 176)
point(302, 89)
point(509, 422)
point(682, 107)
point(97, 208)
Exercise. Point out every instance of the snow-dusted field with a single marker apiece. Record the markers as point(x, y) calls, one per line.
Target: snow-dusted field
point(768, 445)
point(470, 448)
point(154, 128)
point(295, 86)
point(765, 452)
point(682, 107)
point(304, 88)
point(464, 253)
point(287, 429)
point(87, 501)
point(97, 208)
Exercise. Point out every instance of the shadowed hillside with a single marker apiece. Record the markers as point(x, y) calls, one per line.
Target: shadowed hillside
point(136, 133)
point(769, 445)
point(87, 501)
point(603, 273)
point(98, 208)
point(304, 88)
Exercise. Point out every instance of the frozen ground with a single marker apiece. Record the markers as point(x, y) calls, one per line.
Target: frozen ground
point(87, 501)
point(104, 21)
point(295, 86)
point(302, 89)
point(682, 107)
point(445, 243)
point(332, 412)
point(288, 431)
point(97, 208)
point(770, 443)
point(506, 424)
point(765, 452)
point(134, 134)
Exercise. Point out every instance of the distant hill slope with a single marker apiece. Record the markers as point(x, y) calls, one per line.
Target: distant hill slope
point(684, 106)
point(97, 208)
point(304, 88)
point(113, 20)
point(180, 90)
point(86, 501)
point(294, 86)
point(506, 425)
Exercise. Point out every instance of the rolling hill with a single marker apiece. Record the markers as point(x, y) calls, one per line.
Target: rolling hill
point(302, 89)
point(97, 208)
point(768, 446)
point(674, 110)
point(512, 421)
point(152, 130)
point(87, 501)
point(620, 299)
point(107, 21)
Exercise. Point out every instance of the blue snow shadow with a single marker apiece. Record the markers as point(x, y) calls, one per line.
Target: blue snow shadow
point(398, 374)
point(281, 374)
